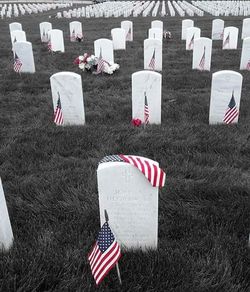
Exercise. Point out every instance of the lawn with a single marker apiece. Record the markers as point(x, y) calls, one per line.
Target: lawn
point(49, 172)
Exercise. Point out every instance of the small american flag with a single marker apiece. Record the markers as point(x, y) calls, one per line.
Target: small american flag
point(222, 35)
point(100, 63)
point(248, 65)
point(151, 64)
point(128, 36)
point(104, 254)
point(58, 117)
point(73, 36)
point(231, 112)
point(15, 40)
point(190, 46)
point(226, 41)
point(49, 46)
point(146, 110)
point(44, 38)
point(202, 61)
point(17, 64)
point(154, 174)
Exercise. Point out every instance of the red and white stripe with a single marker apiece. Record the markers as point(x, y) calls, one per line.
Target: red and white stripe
point(100, 65)
point(248, 65)
point(154, 174)
point(146, 115)
point(102, 263)
point(58, 116)
point(230, 115)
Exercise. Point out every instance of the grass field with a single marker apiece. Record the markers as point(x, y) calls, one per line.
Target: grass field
point(49, 172)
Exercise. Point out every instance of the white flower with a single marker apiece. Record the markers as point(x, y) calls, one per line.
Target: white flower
point(82, 66)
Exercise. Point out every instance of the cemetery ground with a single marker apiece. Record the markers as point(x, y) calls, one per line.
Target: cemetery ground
point(49, 172)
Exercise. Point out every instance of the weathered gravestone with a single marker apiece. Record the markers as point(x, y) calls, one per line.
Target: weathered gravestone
point(17, 36)
point(217, 29)
point(245, 55)
point(25, 54)
point(186, 23)
point(15, 26)
point(66, 88)
point(6, 235)
point(75, 28)
point(105, 47)
point(157, 24)
point(45, 27)
point(119, 38)
point(192, 33)
point(202, 54)
point(146, 88)
point(155, 33)
point(56, 40)
point(153, 54)
point(225, 97)
point(245, 28)
point(131, 201)
point(128, 26)
point(230, 38)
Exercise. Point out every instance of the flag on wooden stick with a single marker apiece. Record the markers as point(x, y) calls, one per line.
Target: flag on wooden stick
point(146, 110)
point(231, 112)
point(203, 60)
point(17, 64)
point(105, 254)
point(58, 116)
point(151, 64)
point(154, 174)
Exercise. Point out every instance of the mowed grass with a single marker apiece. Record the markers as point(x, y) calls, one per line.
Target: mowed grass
point(49, 172)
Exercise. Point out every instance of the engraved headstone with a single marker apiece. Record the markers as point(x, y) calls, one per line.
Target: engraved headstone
point(202, 54)
point(56, 39)
point(157, 24)
point(230, 38)
point(15, 26)
point(192, 33)
point(66, 88)
point(245, 55)
point(245, 28)
point(146, 85)
point(45, 27)
point(217, 29)
point(105, 46)
point(155, 33)
point(153, 54)
point(17, 36)
point(75, 28)
point(25, 54)
point(225, 97)
point(6, 235)
point(119, 38)
point(186, 23)
point(128, 26)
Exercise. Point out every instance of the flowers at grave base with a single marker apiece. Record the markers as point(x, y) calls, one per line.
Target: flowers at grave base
point(167, 34)
point(90, 63)
point(136, 122)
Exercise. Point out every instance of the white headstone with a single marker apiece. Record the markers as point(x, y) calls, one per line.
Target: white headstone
point(245, 28)
point(119, 38)
point(202, 54)
point(6, 235)
point(230, 38)
point(57, 42)
point(45, 27)
point(157, 24)
point(25, 54)
point(105, 46)
point(155, 33)
point(146, 83)
point(153, 54)
point(17, 36)
point(192, 33)
point(131, 203)
point(15, 26)
point(226, 88)
point(75, 28)
point(128, 26)
point(67, 87)
point(217, 29)
point(245, 55)
point(186, 23)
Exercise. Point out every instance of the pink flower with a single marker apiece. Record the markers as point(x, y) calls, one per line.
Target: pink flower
point(77, 61)
point(136, 122)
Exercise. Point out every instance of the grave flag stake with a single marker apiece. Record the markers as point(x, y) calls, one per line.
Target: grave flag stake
point(117, 266)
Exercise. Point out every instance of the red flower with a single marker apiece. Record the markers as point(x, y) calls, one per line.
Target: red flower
point(77, 61)
point(136, 122)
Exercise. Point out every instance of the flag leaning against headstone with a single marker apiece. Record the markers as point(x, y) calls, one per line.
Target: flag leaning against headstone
point(226, 40)
point(100, 63)
point(105, 254)
point(49, 46)
point(191, 43)
point(248, 65)
point(202, 61)
point(73, 36)
point(58, 116)
point(146, 110)
point(17, 64)
point(128, 36)
point(44, 38)
point(154, 174)
point(231, 112)
point(151, 64)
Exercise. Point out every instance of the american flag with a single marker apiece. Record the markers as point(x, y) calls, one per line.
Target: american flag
point(248, 65)
point(226, 41)
point(151, 64)
point(146, 110)
point(58, 117)
point(154, 174)
point(44, 38)
point(73, 36)
point(202, 61)
point(104, 254)
point(222, 35)
point(49, 46)
point(100, 63)
point(190, 46)
point(231, 112)
point(128, 36)
point(17, 64)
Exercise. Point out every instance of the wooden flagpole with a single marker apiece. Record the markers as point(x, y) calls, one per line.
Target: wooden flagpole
point(117, 266)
